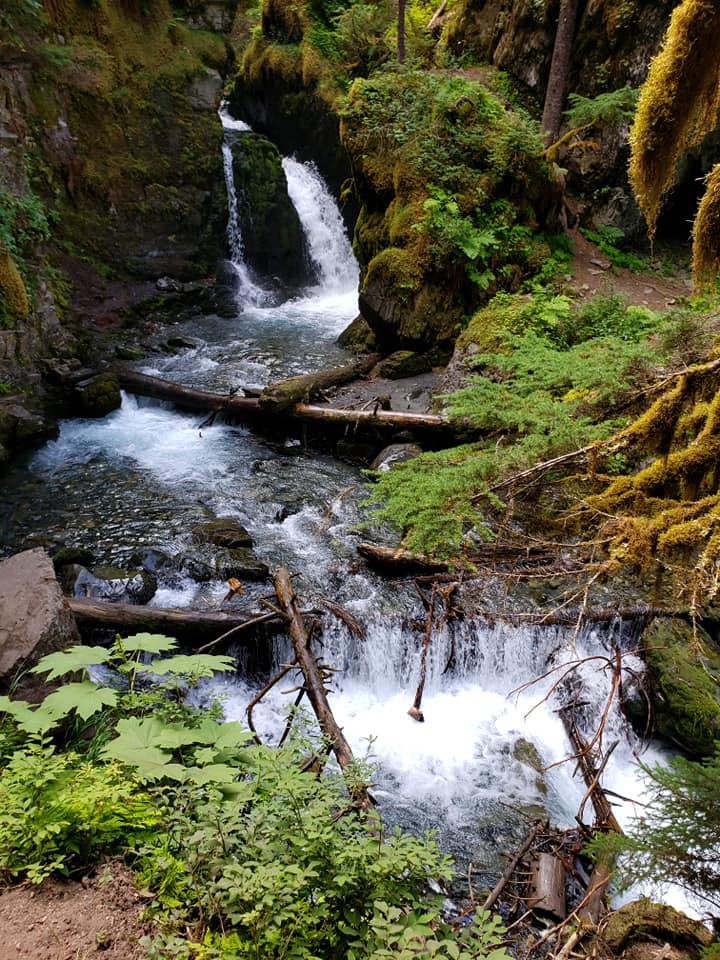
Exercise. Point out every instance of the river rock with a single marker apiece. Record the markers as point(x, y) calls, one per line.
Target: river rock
point(115, 585)
point(358, 337)
point(637, 927)
point(98, 396)
point(223, 532)
point(682, 664)
point(34, 618)
point(395, 453)
point(242, 564)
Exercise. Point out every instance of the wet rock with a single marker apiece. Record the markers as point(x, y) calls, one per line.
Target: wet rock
point(408, 363)
point(66, 556)
point(242, 564)
point(20, 427)
point(355, 451)
point(197, 569)
point(223, 532)
point(115, 585)
point(168, 285)
point(178, 342)
point(124, 352)
point(634, 927)
point(395, 453)
point(274, 243)
point(34, 618)
point(682, 664)
point(358, 337)
point(98, 396)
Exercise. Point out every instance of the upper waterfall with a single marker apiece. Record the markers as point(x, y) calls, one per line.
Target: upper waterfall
point(328, 243)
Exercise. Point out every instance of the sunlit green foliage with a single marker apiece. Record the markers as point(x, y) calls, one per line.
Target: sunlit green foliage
point(236, 841)
point(548, 382)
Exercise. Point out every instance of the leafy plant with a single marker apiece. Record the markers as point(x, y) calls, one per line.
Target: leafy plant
point(59, 812)
point(608, 239)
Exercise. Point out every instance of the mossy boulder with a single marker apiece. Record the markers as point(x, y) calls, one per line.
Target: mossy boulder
point(98, 396)
point(642, 922)
point(358, 337)
point(242, 564)
point(684, 672)
point(273, 239)
point(402, 308)
point(409, 363)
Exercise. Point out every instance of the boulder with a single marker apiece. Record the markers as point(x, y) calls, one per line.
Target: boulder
point(115, 585)
point(98, 396)
point(273, 239)
point(223, 532)
point(636, 926)
point(395, 453)
point(682, 664)
point(34, 618)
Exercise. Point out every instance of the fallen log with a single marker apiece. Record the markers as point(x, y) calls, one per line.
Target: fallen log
point(250, 409)
point(314, 684)
point(395, 558)
point(189, 625)
point(280, 396)
point(187, 398)
point(512, 865)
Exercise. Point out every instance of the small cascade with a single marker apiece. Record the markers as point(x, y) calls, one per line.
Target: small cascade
point(328, 243)
point(248, 290)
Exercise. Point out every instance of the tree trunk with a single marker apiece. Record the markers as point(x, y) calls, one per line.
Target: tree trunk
point(401, 32)
point(559, 65)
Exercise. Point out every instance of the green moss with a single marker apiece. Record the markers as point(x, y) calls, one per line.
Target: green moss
point(14, 305)
point(684, 668)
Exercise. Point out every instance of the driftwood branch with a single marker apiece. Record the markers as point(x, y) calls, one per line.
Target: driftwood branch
point(512, 866)
point(314, 683)
point(250, 409)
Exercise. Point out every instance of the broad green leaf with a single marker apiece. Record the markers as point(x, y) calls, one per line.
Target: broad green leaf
point(232, 734)
point(136, 745)
point(147, 643)
point(30, 719)
point(213, 773)
point(69, 661)
point(85, 698)
point(193, 665)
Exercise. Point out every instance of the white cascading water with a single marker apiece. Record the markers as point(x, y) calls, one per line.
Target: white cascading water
point(248, 289)
point(327, 239)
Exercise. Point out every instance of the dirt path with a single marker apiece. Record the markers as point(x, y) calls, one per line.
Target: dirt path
point(96, 917)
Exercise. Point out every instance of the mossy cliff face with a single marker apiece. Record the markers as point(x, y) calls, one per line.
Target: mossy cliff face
point(453, 189)
point(110, 175)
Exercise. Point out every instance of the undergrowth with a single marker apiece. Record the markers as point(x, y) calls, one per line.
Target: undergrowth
point(236, 841)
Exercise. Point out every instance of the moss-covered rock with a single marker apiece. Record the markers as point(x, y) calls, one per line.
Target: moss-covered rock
point(409, 363)
point(358, 337)
point(98, 396)
point(14, 305)
point(684, 671)
point(273, 239)
point(643, 921)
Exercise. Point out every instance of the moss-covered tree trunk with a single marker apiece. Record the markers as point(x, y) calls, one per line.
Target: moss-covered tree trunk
point(401, 31)
point(559, 66)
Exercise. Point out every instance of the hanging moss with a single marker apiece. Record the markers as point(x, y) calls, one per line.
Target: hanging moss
point(678, 103)
point(14, 305)
point(706, 234)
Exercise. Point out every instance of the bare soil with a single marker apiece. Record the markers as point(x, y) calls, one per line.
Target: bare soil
point(95, 917)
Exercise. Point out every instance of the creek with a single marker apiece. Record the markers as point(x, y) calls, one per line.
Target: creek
point(132, 485)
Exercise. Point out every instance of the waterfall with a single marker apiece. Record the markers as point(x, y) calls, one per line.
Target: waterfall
point(328, 244)
point(248, 290)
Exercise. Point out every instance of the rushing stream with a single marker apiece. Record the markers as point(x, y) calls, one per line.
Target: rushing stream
point(140, 478)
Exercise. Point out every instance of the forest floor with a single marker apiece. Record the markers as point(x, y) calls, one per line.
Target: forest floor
point(98, 916)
